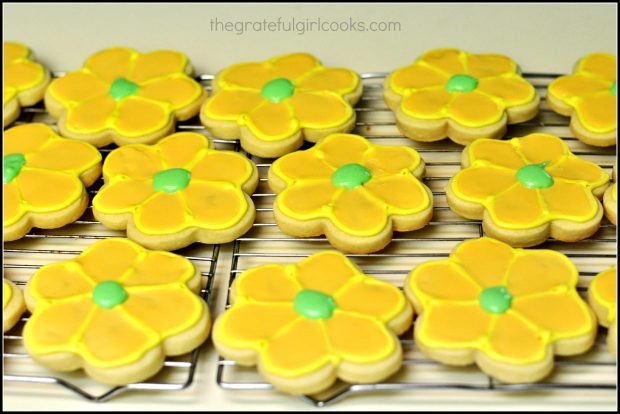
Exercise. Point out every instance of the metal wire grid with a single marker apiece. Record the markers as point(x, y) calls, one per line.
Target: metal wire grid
point(264, 243)
point(23, 257)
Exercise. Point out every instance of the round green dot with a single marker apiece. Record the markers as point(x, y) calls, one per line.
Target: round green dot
point(613, 89)
point(172, 180)
point(11, 166)
point(108, 294)
point(535, 176)
point(461, 83)
point(122, 88)
point(351, 176)
point(277, 90)
point(313, 304)
point(495, 299)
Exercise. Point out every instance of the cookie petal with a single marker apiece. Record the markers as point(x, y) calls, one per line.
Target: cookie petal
point(111, 64)
point(180, 149)
point(340, 149)
point(443, 281)
point(251, 75)
point(269, 283)
point(178, 91)
point(320, 110)
point(601, 64)
point(247, 325)
point(77, 87)
point(227, 166)
point(429, 103)
point(14, 51)
point(272, 121)
point(474, 109)
point(325, 272)
point(500, 153)
point(574, 168)
point(301, 165)
point(338, 80)
point(566, 200)
point(91, 116)
point(539, 148)
point(309, 340)
point(137, 117)
point(157, 64)
point(97, 264)
point(518, 207)
point(577, 85)
point(122, 196)
point(65, 155)
point(416, 77)
point(495, 256)
point(34, 185)
point(487, 65)
point(359, 339)
point(598, 112)
point(454, 326)
point(230, 104)
point(59, 281)
point(448, 61)
point(536, 271)
point(27, 138)
point(162, 214)
point(306, 199)
point(403, 193)
point(512, 90)
point(24, 75)
point(373, 298)
point(480, 182)
point(12, 207)
point(159, 268)
point(294, 66)
point(513, 339)
point(384, 160)
point(215, 206)
point(140, 162)
point(356, 213)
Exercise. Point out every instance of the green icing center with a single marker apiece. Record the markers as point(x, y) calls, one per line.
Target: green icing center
point(12, 165)
point(313, 304)
point(108, 294)
point(461, 83)
point(172, 180)
point(535, 176)
point(495, 299)
point(277, 90)
point(351, 176)
point(613, 89)
point(122, 88)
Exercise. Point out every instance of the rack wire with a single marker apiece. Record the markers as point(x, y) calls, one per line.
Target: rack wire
point(594, 371)
point(23, 257)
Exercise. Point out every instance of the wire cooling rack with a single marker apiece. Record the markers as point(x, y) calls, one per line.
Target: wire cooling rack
point(23, 257)
point(594, 371)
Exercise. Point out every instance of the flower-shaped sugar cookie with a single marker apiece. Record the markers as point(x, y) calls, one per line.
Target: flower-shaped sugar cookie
point(588, 96)
point(125, 97)
point(527, 189)
point(451, 93)
point(610, 198)
point(508, 310)
point(13, 304)
point(44, 178)
point(24, 80)
point(309, 323)
point(603, 300)
point(273, 106)
point(176, 192)
point(355, 192)
point(116, 311)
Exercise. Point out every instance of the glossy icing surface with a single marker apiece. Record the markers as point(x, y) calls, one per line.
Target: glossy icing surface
point(362, 207)
point(67, 318)
point(178, 183)
point(544, 307)
point(20, 73)
point(49, 180)
point(345, 321)
point(491, 179)
point(134, 94)
point(603, 292)
point(591, 92)
point(474, 90)
point(277, 98)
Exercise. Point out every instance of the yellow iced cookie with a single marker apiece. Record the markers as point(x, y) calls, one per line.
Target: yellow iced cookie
point(307, 324)
point(44, 179)
point(13, 304)
point(24, 80)
point(527, 189)
point(610, 199)
point(116, 311)
point(508, 310)
point(353, 191)
point(176, 192)
point(272, 106)
point(603, 300)
point(125, 97)
point(455, 94)
point(588, 96)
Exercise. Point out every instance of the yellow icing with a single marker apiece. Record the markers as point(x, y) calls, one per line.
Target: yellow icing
point(363, 211)
point(318, 102)
point(49, 181)
point(20, 73)
point(262, 317)
point(66, 319)
point(490, 180)
point(602, 291)
point(214, 198)
point(163, 90)
point(7, 293)
point(545, 305)
point(588, 92)
point(422, 86)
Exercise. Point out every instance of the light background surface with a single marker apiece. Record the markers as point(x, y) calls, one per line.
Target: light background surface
point(540, 37)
